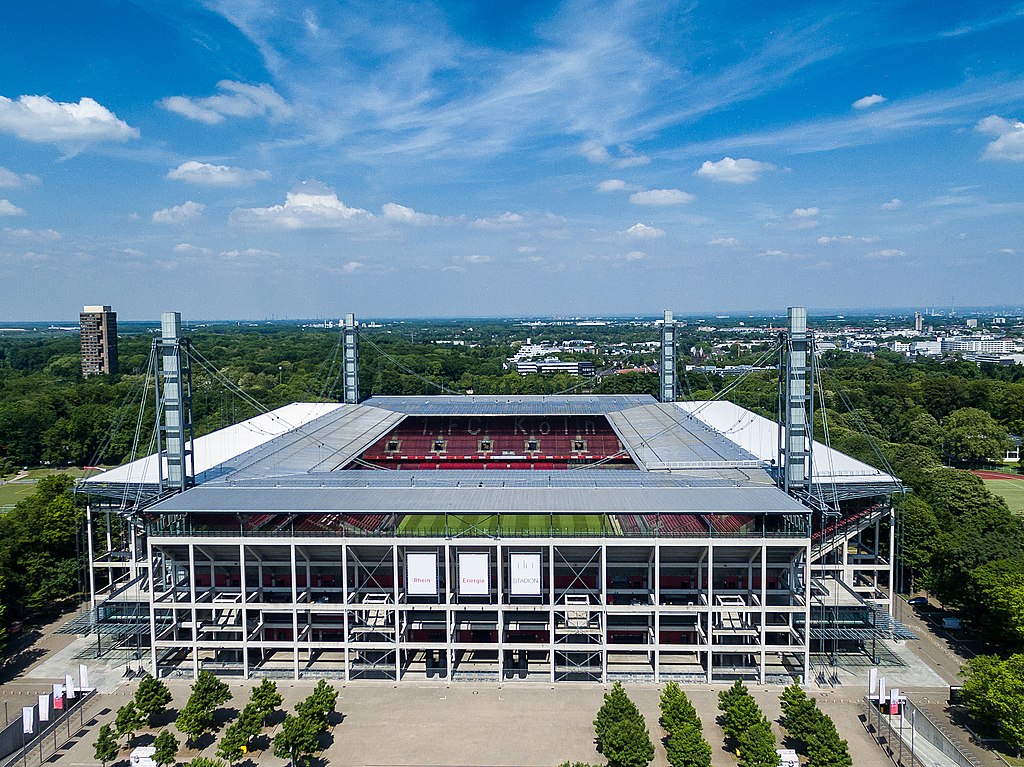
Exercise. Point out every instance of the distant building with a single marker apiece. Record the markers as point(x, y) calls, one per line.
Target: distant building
point(918, 322)
point(98, 327)
point(555, 365)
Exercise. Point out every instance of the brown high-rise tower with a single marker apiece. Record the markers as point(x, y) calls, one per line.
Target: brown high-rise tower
point(99, 340)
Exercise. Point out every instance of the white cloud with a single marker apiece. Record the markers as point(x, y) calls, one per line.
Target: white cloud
point(179, 214)
point(476, 258)
point(8, 208)
point(192, 250)
point(636, 255)
point(661, 197)
point(869, 101)
point(615, 185)
point(1008, 251)
point(894, 204)
point(41, 119)
point(1008, 145)
point(627, 158)
point(456, 269)
point(247, 253)
point(502, 220)
point(526, 249)
point(774, 253)
point(11, 180)
point(730, 171)
point(233, 100)
point(351, 267)
point(805, 212)
point(47, 235)
point(845, 239)
point(400, 213)
point(595, 152)
point(725, 242)
point(312, 206)
point(644, 232)
point(205, 174)
point(887, 253)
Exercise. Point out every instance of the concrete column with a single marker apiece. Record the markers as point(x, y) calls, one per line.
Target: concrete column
point(345, 613)
point(710, 613)
point(195, 616)
point(244, 611)
point(295, 610)
point(551, 610)
point(152, 608)
point(657, 611)
point(395, 593)
point(500, 600)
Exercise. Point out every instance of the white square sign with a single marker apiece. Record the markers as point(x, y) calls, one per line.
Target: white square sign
point(524, 572)
point(474, 575)
point(421, 575)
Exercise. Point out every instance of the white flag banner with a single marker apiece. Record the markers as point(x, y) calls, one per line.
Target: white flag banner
point(28, 719)
point(525, 575)
point(474, 575)
point(83, 677)
point(421, 575)
point(58, 697)
point(69, 685)
point(44, 708)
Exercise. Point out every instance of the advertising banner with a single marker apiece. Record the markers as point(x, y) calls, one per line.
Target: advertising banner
point(525, 575)
point(83, 677)
point(58, 697)
point(28, 719)
point(474, 575)
point(69, 686)
point(421, 575)
point(44, 708)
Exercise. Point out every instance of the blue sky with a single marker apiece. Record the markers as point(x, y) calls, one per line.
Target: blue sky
point(257, 158)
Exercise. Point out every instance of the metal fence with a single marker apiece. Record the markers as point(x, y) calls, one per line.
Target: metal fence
point(64, 726)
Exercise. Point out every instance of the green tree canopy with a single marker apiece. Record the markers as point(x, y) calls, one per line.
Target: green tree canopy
point(166, 746)
point(628, 744)
point(105, 749)
point(686, 747)
point(972, 437)
point(152, 696)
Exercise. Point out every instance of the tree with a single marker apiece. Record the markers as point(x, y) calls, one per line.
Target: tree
point(686, 747)
point(128, 721)
point(616, 707)
point(628, 744)
point(320, 704)
point(800, 713)
point(209, 691)
point(993, 692)
point(105, 748)
point(249, 722)
point(166, 746)
point(193, 721)
point(826, 749)
point(757, 746)
point(971, 437)
point(676, 709)
point(152, 696)
point(205, 761)
point(739, 710)
point(297, 739)
point(265, 697)
point(232, 744)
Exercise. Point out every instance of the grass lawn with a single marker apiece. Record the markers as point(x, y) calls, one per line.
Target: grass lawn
point(12, 492)
point(1012, 490)
point(511, 524)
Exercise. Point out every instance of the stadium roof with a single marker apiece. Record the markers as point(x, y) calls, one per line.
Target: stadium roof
point(759, 436)
point(213, 452)
point(689, 457)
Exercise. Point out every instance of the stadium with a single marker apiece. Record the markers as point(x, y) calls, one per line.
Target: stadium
point(572, 538)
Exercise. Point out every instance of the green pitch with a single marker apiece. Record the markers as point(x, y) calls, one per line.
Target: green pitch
point(1011, 490)
point(510, 524)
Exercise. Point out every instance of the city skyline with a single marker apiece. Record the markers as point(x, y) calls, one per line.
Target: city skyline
point(233, 159)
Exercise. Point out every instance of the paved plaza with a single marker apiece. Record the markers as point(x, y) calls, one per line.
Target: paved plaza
point(473, 725)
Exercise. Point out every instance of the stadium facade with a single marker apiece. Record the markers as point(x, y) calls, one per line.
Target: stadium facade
point(497, 539)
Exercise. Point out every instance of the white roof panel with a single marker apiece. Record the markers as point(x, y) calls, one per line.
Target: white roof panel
point(214, 449)
point(760, 436)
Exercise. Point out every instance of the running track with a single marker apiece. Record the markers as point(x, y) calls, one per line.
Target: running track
point(996, 475)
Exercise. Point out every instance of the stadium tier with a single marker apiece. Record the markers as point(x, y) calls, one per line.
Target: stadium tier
point(573, 538)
